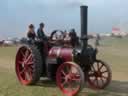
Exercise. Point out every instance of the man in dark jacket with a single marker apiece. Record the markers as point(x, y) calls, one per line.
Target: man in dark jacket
point(40, 33)
point(43, 46)
point(74, 38)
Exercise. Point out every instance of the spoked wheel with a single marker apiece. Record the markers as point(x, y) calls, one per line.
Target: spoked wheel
point(28, 64)
point(70, 78)
point(100, 75)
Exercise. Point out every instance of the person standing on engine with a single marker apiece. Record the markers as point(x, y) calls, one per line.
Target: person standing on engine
point(43, 46)
point(31, 32)
point(40, 33)
point(74, 38)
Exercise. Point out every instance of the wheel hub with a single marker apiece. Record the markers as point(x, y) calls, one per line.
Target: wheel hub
point(23, 65)
point(98, 74)
point(68, 78)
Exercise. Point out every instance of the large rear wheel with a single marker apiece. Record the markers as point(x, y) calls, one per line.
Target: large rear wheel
point(100, 75)
point(70, 78)
point(28, 64)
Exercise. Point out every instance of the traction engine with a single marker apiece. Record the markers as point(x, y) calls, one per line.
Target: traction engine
point(70, 66)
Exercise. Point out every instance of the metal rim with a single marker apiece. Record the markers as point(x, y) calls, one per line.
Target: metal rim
point(100, 75)
point(70, 78)
point(24, 65)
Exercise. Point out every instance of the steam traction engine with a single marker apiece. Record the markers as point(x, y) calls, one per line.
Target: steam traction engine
point(69, 66)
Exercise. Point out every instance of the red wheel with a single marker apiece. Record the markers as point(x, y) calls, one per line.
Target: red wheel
point(100, 75)
point(70, 78)
point(28, 65)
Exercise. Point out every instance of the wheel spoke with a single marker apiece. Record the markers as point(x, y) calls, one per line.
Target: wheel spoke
point(64, 83)
point(96, 79)
point(101, 67)
point(28, 75)
point(69, 85)
point(28, 58)
point(20, 62)
point(25, 75)
point(26, 54)
point(102, 80)
point(76, 79)
point(30, 63)
point(98, 66)
point(68, 69)
point(63, 72)
point(104, 77)
point(22, 71)
point(77, 76)
point(91, 75)
point(30, 69)
point(22, 53)
point(104, 71)
point(93, 68)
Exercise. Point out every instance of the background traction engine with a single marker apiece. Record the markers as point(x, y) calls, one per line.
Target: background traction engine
point(69, 66)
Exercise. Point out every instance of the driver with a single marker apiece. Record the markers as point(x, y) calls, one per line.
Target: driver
point(40, 33)
point(43, 46)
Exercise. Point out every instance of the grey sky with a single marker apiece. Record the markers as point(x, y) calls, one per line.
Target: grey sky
point(15, 15)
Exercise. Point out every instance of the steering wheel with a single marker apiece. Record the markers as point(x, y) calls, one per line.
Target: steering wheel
point(57, 35)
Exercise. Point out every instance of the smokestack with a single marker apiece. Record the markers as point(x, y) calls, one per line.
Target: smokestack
point(84, 15)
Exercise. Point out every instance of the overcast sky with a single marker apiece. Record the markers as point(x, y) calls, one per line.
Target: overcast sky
point(15, 15)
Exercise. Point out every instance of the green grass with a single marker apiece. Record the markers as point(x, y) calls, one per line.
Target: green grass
point(112, 50)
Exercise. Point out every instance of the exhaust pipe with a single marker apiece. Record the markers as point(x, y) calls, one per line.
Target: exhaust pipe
point(84, 18)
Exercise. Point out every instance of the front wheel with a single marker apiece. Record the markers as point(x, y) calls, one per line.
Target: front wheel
point(99, 75)
point(70, 78)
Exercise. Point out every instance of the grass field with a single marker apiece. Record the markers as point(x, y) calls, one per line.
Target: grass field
point(112, 50)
